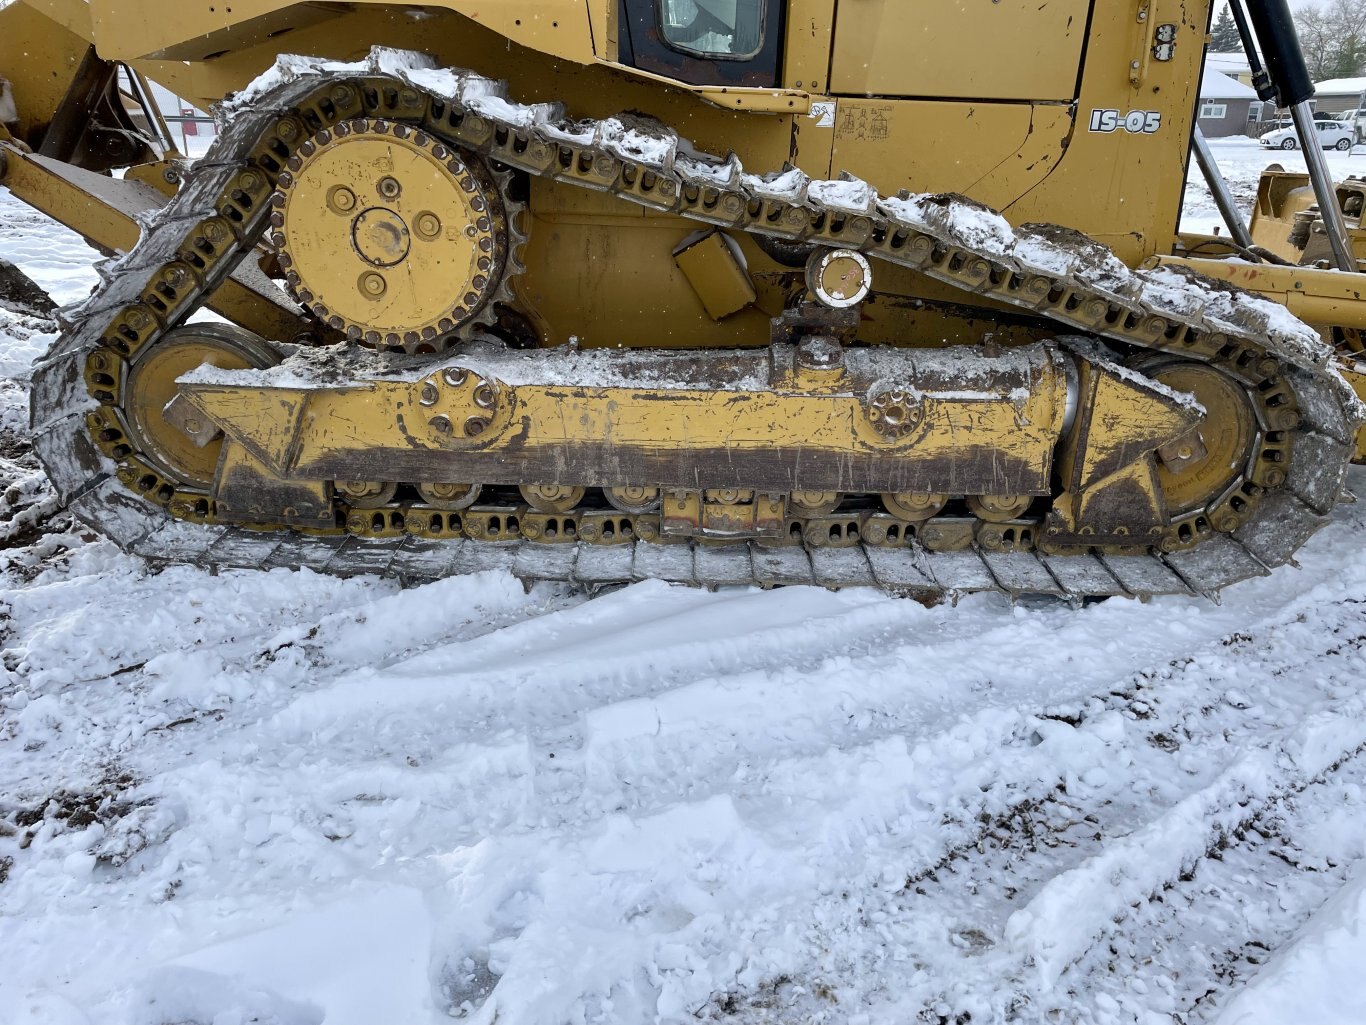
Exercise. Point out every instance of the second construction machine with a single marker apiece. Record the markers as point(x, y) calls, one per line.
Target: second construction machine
point(719, 291)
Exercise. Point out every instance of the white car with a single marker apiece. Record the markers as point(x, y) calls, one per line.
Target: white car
point(1332, 135)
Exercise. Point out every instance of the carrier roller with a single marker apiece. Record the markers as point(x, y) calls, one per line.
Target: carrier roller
point(1175, 436)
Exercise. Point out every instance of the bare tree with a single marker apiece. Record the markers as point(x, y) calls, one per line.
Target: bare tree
point(1333, 37)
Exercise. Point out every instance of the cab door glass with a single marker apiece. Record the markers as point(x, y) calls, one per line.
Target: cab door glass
point(716, 29)
point(704, 42)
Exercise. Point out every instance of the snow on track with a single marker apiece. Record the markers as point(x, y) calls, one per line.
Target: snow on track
point(285, 798)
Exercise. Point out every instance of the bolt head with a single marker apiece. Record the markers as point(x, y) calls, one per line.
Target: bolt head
point(1287, 420)
point(429, 226)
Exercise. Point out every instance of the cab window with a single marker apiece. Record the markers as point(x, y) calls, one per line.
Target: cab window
point(704, 42)
point(717, 29)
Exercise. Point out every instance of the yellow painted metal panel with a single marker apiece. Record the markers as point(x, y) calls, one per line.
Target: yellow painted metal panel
point(39, 56)
point(198, 30)
point(806, 56)
point(70, 14)
point(715, 274)
point(970, 49)
point(998, 152)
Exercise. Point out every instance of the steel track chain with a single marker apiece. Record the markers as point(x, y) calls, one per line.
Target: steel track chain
point(219, 216)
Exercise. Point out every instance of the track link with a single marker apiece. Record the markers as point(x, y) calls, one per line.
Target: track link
point(1309, 413)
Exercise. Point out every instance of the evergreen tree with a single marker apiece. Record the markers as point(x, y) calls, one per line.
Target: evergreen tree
point(1223, 37)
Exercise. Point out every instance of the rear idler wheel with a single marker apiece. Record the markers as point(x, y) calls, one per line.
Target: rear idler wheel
point(1197, 470)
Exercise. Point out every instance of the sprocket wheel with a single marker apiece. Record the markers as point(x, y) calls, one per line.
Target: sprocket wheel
point(395, 238)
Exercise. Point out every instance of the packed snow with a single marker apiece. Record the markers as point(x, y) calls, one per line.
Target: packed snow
point(288, 799)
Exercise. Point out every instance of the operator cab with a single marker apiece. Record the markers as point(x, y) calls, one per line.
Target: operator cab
point(704, 42)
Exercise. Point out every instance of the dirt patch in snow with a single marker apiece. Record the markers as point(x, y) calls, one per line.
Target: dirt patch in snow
point(102, 802)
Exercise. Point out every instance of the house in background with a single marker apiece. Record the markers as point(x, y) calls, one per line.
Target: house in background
point(1234, 65)
point(1227, 107)
point(1338, 94)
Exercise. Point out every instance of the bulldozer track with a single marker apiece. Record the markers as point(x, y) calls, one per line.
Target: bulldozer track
point(1308, 413)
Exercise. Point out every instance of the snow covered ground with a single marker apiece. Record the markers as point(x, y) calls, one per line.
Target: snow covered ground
point(1242, 161)
point(286, 799)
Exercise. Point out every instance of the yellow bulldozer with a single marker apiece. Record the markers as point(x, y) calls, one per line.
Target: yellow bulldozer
point(835, 292)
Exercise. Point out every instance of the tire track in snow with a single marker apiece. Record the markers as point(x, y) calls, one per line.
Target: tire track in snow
point(894, 834)
point(1089, 864)
point(1202, 936)
point(628, 762)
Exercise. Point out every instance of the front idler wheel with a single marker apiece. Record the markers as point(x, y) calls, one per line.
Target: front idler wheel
point(1197, 469)
point(169, 432)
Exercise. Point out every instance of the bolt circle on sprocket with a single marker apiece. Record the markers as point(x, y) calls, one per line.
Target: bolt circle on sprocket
point(391, 236)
